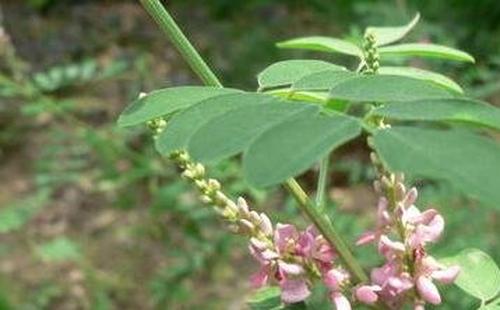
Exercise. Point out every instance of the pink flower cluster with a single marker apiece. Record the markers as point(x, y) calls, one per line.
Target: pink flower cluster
point(401, 234)
point(294, 259)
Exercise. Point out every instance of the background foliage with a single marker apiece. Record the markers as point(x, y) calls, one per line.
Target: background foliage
point(92, 218)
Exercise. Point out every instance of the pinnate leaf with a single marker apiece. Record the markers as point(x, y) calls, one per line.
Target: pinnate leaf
point(232, 132)
point(422, 74)
point(455, 109)
point(323, 80)
point(468, 161)
point(479, 275)
point(386, 35)
point(322, 44)
point(286, 72)
point(425, 50)
point(291, 147)
point(162, 102)
point(183, 125)
point(386, 88)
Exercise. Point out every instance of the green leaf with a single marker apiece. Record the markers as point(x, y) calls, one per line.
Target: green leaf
point(421, 74)
point(386, 35)
point(468, 161)
point(307, 96)
point(479, 275)
point(425, 50)
point(322, 44)
point(291, 147)
point(232, 132)
point(456, 109)
point(266, 298)
point(386, 88)
point(59, 250)
point(184, 124)
point(162, 102)
point(286, 72)
point(323, 80)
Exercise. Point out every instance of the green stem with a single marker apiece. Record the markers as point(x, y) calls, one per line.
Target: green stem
point(322, 222)
point(325, 226)
point(182, 44)
point(322, 182)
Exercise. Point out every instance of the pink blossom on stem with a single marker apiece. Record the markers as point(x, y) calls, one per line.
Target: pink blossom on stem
point(401, 234)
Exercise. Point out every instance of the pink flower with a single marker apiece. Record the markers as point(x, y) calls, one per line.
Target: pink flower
point(427, 269)
point(293, 291)
point(367, 293)
point(334, 279)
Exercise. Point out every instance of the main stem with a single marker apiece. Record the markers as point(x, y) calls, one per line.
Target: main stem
point(322, 182)
point(188, 52)
point(182, 44)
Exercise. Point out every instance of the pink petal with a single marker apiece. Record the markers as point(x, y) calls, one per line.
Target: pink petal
point(382, 274)
point(324, 252)
point(367, 293)
point(388, 248)
point(290, 268)
point(366, 237)
point(260, 278)
point(283, 235)
point(305, 244)
point(333, 279)
point(446, 276)
point(293, 291)
point(340, 301)
point(428, 291)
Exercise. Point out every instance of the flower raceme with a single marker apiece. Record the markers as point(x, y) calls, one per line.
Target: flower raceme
point(295, 260)
point(401, 235)
point(292, 259)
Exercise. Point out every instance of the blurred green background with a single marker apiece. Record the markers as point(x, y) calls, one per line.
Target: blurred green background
point(92, 218)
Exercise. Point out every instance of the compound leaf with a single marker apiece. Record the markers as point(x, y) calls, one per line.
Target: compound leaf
point(286, 72)
point(386, 35)
point(468, 161)
point(323, 44)
point(292, 146)
point(456, 109)
point(425, 50)
point(162, 102)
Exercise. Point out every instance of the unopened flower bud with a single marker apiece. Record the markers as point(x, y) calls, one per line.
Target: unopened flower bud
point(213, 185)
point(206, 199)
point(254, 217)
point(242, 206)
point(265, 225)
point(246, 226)
point(399, 191)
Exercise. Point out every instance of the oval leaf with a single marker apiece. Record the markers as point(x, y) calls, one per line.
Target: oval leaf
point(323, 80)
point(183, 125)
point(386, 88)
point(286, 72)
point(386, 35)
point(291, 147)
point(322, 44)
point(479, 275)
point(162, 102)
point(462, 110)
point(421, 74)
point(469, 162)
point(425, 50)
point(233, 131)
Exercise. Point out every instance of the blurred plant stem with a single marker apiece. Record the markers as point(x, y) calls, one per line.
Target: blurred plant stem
point(187, 51)
point(322, 181)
